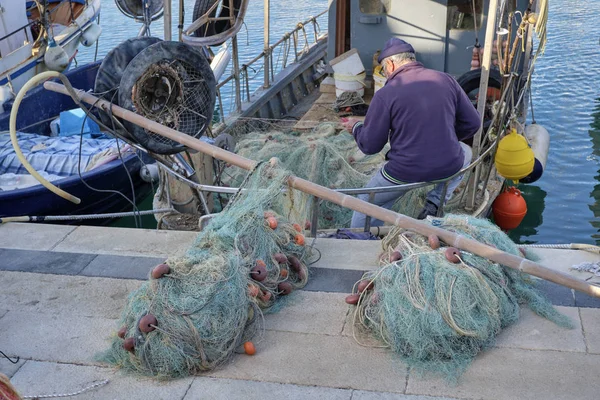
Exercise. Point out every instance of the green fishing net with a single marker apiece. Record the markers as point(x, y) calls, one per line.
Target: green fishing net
point(325, 156)
point(210, 302)
point(439, 314)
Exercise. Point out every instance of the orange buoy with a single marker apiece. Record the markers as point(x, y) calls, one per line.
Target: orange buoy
point(509, 209)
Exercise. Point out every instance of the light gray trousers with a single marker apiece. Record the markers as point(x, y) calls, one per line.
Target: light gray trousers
point(387, 199)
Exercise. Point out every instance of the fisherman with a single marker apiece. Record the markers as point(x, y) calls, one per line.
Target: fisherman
point(424, 114)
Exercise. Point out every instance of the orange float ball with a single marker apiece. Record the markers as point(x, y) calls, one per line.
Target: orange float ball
point(249, 348)
point(509, 209)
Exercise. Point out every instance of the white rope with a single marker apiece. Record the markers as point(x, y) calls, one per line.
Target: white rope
point(51, 396)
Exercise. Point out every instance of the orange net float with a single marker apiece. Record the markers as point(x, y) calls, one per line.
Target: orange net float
point(509, 209)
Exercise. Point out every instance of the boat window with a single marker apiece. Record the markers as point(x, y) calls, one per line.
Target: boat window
point(375, 6)
point(464, 14)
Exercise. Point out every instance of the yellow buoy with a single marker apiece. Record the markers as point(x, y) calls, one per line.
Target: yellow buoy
point(514, 157)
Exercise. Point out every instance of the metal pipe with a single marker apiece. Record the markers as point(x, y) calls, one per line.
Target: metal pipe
point(315, 217)
point(267, 32)
point(236, 73)
point(368, 217)
point(167, 19)
point(143, 30)
point(181, 19)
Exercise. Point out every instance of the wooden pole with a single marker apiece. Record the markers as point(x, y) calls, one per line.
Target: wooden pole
point(483, 85)
point(167, 19)
point(423, 228)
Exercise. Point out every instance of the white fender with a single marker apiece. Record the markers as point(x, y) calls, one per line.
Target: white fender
point(91, 35)
point(55, 57)
point(220, 61)
point(539, 139)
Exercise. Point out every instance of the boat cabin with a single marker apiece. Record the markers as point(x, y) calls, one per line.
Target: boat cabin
point(442, 32)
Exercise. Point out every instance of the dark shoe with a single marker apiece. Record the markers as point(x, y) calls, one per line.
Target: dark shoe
point(429, 209)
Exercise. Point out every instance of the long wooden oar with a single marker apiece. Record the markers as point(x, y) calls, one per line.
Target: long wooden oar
point(456, 240)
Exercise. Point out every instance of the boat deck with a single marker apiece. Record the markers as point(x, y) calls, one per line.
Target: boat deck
point(62, 289)
point(322, 111)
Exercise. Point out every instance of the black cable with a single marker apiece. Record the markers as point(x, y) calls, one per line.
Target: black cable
point(135, 208)
point(16, 360)
point(87, 113)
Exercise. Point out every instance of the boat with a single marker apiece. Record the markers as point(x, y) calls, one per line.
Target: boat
point(297, 83)
point(109, 175)
point(41, 35)
point(38, 36)
point(106, 188)
point(448, 37)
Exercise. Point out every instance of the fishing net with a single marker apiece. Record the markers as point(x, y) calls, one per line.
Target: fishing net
point(438, 308)
point(325, 155)
point(197, 310)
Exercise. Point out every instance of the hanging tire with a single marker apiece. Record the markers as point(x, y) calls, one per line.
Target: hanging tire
point(214, 28)
point(200, 8)
point(114, 64)
point(469, 82)
point(170, 83)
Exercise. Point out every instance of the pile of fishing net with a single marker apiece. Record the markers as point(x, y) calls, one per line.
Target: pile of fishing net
point(196, 311)
point(325, 156)
point(438, 307)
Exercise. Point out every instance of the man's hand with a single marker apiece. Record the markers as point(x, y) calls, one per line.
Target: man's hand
point(348, 123)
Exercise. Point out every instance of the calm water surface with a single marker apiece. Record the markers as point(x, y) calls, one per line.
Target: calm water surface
point(564, 205)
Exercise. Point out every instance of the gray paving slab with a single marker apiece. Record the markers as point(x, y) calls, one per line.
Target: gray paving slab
point(310, 312)
point(500, 374)
point(127, 241)
point(32, 236)
point(46, 262)
point(557, 294)
point(51, 337)
point(64, 294)
point(584, 300)
point(363, 395)
point(332, 280)
point(317, 360)
point(43, 378)
point(537, 333)
point(590, 319)
point(2, 312)
point(348, 254)
point(231, 389)
point(9, 368)
point(124, 267)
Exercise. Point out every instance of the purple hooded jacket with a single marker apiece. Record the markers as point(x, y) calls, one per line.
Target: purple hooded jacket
point(423, 113)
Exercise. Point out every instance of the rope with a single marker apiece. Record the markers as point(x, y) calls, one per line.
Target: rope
point(571, 246)
point(51, 396)
point(26, 218)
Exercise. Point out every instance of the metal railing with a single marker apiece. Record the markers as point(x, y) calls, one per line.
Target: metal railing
point(292, 39)
point(370, 191)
